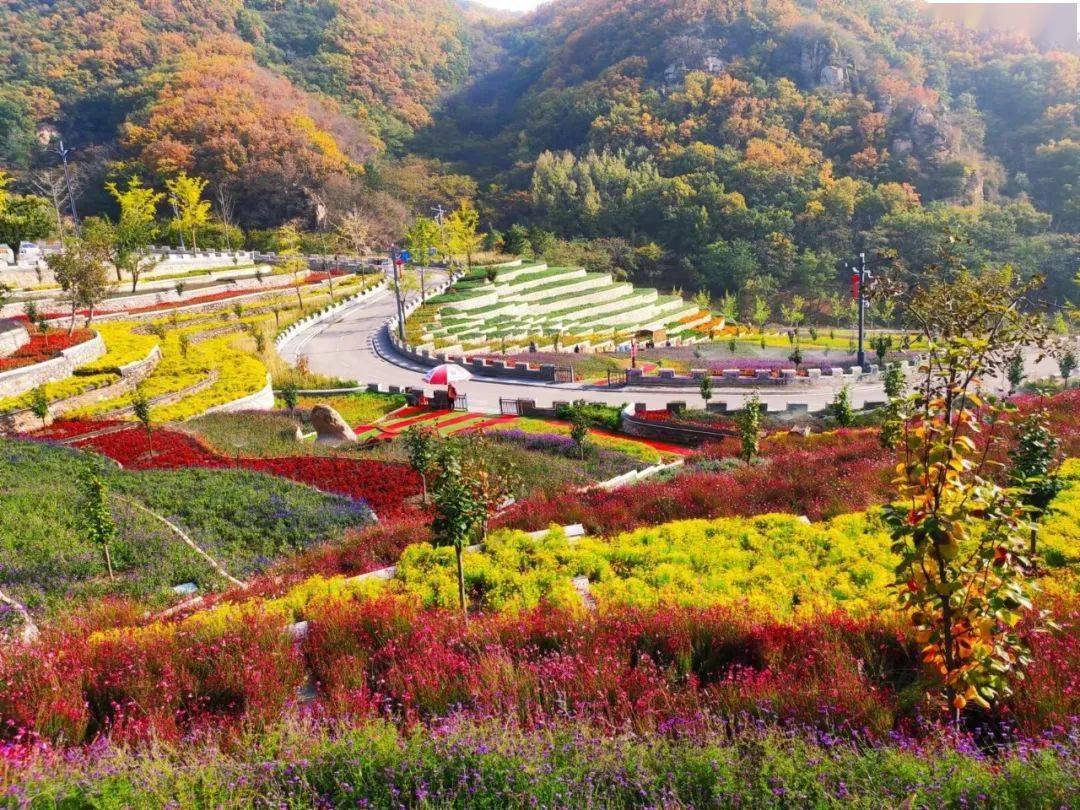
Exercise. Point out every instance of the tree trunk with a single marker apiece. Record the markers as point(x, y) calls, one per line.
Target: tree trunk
point(90, 316)
point(108, 562)
point(460, 579)
point(299, 298)
point(74, 312)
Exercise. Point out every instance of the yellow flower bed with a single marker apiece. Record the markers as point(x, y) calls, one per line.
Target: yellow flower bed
point(238, 374)
point(122, 346)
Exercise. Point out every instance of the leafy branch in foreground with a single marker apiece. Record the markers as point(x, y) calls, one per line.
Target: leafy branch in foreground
point(960, 536)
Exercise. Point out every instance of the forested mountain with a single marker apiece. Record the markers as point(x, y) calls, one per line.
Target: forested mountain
point(760, 142)
point(748, 144)
point(274, 96)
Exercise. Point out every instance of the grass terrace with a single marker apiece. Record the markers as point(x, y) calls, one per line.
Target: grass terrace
point(534, 305)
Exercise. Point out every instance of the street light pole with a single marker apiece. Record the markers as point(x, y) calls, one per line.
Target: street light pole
point(397, 292)
point(63, 152)
point(861, 356)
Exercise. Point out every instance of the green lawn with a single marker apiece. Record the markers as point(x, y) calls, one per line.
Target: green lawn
point(244, 520)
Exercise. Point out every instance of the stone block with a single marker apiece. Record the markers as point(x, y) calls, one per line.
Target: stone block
point(640, 407)
point(676, 407)
point(763, 374)
point(698, 373)
point(813, 373)
point(667, 374)
point(731, 374)
point(788, 374)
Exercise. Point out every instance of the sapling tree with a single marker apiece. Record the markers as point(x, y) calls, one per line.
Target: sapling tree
point(760, 314)
point(1014, 371)
point(421, 445)
point(894, 381)
point(290, 396)
point(39, 404)
point(959, 536)
point(841, 408)
point(140, 405)
point(96, 517)
point(882, 344)
point(796, 356)
point(579, 430)
point(456, 511)
point(1034, 470)
point(706, 387)
point(1066, 361)
point(749, 423)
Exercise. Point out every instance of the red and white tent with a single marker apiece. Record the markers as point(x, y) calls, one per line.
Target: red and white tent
point(445, 374)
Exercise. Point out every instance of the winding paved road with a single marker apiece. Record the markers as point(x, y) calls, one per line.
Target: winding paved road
point(353, 345)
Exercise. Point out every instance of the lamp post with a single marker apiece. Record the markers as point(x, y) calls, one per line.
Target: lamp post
point(397, 292)
point(63, 152)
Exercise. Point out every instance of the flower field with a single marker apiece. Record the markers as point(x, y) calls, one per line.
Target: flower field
point(384, 486)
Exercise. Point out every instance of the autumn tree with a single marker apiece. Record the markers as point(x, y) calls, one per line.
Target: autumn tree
point(134, 229)
point(354, 234)
point(959, 535)
point(462, 231)
point(192, 211)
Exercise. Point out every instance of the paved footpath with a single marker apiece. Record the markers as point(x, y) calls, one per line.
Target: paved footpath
point(353, 345)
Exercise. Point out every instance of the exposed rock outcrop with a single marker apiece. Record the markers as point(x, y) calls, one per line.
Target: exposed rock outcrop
point(330, 428)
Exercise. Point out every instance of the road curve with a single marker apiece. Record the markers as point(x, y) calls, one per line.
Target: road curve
point(353, 345)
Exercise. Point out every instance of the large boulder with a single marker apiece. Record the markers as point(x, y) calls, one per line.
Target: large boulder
point(330, 428)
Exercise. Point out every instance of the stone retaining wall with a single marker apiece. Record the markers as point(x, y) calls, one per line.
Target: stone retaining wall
point(261, 400)
point(13, 336)
point(669, 432)
point(735, 378)
point(20, 380)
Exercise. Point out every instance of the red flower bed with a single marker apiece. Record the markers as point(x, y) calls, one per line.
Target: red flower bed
point(384, 486)
point(63, 429)
point(44, 347)
point(716, 422)
point(650, 671)
point(819, 477)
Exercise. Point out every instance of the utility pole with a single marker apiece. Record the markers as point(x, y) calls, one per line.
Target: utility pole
point(63, 152)
point(397, 292)
point(176, 216)
point(439, 212)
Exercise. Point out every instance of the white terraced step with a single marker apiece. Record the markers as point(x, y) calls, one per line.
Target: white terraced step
point(591, 281)
point(584, 302)
point(525, 281)
point(522, 269)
